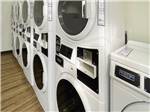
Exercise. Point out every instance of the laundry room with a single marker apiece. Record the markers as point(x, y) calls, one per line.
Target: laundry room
point(75, 55)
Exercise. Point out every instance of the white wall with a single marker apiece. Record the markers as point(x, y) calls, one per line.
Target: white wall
point(6, 29)
point(137, 21)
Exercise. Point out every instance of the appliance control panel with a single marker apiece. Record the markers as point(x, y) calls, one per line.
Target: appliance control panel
point(66, 51)
point(63, 49)
point(128, 76)
point(58, 44)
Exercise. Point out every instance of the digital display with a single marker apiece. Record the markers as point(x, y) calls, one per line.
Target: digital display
point(128, 76)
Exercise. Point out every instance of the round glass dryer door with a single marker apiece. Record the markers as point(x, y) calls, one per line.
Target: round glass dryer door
point(25, 11)
point(75, 17)
point(17, 46)
point(38, 71)
point(38, 12)
point(140, 106)
point(25, 55)
point(68, 100)
point(12, 12)
point(18, 11)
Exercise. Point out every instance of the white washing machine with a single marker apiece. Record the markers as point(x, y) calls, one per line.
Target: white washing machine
point(72, 95)
point(130, 78)
point(13, 34)
point(26, 54)
point(18, 44)
point(39, 66)
point(86, 29)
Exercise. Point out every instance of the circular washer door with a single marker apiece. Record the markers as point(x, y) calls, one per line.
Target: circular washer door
point(140, 106)
point(25, 11)
point(38, 12)
point(17, 46)
point(25, 55)
point(68, 99)
point(75, 17)
point(38, 71)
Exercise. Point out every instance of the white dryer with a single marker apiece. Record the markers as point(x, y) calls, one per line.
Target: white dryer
point(91, 23)
point(13, 27)
point(130, 78)
point(41, 15)
point(16, 17)
point(19, 23)
point(18, 9)
point(13, 16)
point(26, 15)
point(90, 28)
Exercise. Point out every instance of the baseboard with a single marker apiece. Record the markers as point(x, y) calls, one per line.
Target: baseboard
point(9, 51)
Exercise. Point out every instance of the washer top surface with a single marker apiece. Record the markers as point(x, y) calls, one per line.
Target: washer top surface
point(135, 55)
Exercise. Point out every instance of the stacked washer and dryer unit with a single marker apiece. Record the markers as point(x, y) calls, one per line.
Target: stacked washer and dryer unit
point(13, 23)
point(34, 41)
point(43, 50)
point(26, 30)
point(87, 31)
point(16, 37)
point(21, 36)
